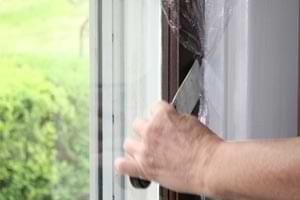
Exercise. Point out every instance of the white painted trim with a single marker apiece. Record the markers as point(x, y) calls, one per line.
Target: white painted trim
point(142, 74)
point(252, 74)
point(95, 7)
point(107, 104)
point(117, 85)
point(215, 79)
point(118, 93)
point(273, 68)
point(236, 69)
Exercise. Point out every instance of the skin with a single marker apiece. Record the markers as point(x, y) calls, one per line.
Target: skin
point(181, 154)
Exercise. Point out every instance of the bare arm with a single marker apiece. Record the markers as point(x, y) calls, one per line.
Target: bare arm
point(267, 169)
point(181, 154)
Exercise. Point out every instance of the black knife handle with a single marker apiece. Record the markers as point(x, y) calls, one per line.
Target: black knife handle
point(139, 183)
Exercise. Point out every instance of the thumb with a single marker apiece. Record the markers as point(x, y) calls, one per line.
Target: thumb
point(127, 166)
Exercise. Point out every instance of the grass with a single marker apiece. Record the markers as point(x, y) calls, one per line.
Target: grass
point(43, 34)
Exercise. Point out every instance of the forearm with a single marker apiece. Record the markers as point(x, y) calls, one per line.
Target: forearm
point(255, 170)
point(183, 155)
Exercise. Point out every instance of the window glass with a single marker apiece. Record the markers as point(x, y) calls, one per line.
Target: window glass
point(131, 83)
point(44, 100)
point(142, 63)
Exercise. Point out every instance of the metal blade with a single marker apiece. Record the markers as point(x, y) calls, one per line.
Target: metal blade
point(188, 93)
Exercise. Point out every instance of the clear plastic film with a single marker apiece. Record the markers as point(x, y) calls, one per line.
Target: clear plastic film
point(189, 19)
point(186, 18)
point(199, 25)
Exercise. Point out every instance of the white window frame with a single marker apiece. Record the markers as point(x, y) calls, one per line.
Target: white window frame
point(95, 78)
point(107, 43)
point(251, 48)
point(233, 85)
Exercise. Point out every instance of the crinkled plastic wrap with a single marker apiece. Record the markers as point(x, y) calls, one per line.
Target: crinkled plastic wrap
point(200, 25)
point(187, 19)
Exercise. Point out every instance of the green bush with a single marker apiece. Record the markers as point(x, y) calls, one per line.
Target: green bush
point(43, 138)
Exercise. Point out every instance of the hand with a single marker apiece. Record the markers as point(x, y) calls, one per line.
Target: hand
point(175, 150)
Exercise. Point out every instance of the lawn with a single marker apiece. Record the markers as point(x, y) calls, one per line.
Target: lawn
point(44, 34)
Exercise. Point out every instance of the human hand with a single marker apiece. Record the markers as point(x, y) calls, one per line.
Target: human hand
point(175, 150)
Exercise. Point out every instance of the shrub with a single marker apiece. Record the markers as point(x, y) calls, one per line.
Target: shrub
point(43, 147)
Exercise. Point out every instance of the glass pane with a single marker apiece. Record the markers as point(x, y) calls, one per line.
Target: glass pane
point(142, 50)
point(44, 100)
point(131, 83)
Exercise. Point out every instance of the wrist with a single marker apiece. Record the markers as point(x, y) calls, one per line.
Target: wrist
point(208, 158)
point(214, 169)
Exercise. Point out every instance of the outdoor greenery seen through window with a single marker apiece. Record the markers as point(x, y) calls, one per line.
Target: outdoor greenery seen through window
point(44, 100)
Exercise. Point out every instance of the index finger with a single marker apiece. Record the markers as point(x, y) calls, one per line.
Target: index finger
point(161, 107)
point(139, 126)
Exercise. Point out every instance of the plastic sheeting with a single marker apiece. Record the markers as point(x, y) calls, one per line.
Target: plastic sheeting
point(249, 55)
point(187, 18)
point(190, 22)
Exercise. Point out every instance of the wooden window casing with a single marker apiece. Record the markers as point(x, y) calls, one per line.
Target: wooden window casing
point(176, 63)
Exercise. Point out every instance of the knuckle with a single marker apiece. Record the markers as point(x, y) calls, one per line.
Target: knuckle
point(151, 167)
point(144, 150)
point(136, 124)
point(165, 108)
point(150, 135)
point(146, 156)
point(158, 120)
point(147, 132)
point(147, 153)
point(146, 129)
point(162, 107)
point(127, 144)
point(143, 160)
point(148, 162)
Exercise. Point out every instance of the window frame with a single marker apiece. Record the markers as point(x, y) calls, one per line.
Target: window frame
point(176, 62)
point(234, 53)
point(172, 74)
point(105, 58)
point(95, 156)
point(111, 63)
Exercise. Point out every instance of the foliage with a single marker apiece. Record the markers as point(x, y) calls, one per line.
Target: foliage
point(44, 97)
point(27, 106)
point(43, 149)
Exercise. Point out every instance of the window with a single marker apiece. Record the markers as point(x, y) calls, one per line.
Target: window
point(75, 73)
point(142, 61)
point(178, 58)
point(130, 83)
point(132, 59)
point(44, 100)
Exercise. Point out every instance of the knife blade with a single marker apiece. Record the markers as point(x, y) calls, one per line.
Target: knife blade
point(187, 95)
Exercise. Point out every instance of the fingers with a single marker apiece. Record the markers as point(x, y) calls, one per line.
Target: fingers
point(139, 126)
point(127, 166)
point(161, 107)
point(132, 147)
